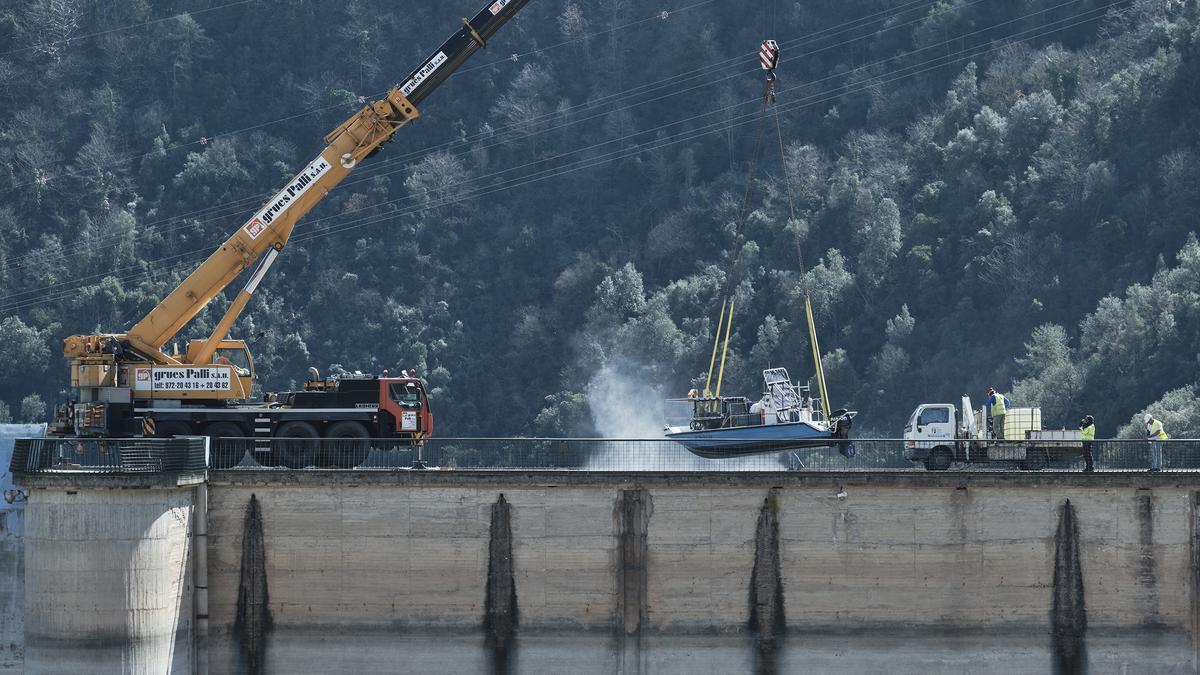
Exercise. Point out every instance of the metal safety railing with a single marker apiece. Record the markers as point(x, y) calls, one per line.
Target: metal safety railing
point(597, 454)
point(183, 455)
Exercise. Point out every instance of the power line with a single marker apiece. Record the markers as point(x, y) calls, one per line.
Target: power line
point(938, 62)
point(118, 29)
point(510, 169)
point(205, 140)
point(33, 257)
point(372, 170)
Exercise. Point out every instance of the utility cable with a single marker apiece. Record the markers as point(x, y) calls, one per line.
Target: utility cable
point(938, 62)
point(118, 29)
point(360, 177)
point(367, 173)
point(730, 294)
point(614, 155)
point(591, 162)
point(205, 140)
point(844, 27)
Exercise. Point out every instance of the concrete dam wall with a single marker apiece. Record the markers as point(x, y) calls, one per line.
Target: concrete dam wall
point(108, 581)
point(557, 572)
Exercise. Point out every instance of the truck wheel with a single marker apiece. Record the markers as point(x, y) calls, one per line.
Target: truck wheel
point(297, 443)
point(939, 459)
point(227, 444)
point(1035, 460)
point(350, 443)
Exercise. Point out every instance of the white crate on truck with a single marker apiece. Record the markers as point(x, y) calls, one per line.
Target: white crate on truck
point(1018, 421)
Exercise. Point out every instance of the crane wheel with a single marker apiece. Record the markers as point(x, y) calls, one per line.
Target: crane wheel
point(297, 444)
point(350, 443)
point(227, 444)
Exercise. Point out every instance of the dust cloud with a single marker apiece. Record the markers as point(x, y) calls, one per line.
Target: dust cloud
point(625, 407)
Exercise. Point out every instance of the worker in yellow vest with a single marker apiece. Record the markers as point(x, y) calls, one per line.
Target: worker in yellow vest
point(1087, 432)
point(1155, 434)
point(999, 406)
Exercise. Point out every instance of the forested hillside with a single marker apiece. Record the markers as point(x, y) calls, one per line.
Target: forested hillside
point(988, 194)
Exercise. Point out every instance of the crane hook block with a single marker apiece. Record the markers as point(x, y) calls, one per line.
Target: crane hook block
point(768, 55)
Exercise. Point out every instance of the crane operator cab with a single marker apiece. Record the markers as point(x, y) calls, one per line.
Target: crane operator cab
point(233, 355)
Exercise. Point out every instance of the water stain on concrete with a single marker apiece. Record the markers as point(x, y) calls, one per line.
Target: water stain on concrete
point(1194, 574)
point(633, 511)
point(500, 602)
point(767, 620)
point(1147, 576)
point(253, 623)
point(1068, 616)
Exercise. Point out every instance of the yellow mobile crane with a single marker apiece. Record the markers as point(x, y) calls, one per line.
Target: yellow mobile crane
point(129, 384)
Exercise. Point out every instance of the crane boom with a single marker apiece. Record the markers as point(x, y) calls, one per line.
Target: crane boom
point(127, 381)
point(268, 230)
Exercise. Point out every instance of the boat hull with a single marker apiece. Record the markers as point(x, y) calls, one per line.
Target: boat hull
point(741, 441)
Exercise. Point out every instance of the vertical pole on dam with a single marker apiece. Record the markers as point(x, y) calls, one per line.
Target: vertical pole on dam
point(633, 520)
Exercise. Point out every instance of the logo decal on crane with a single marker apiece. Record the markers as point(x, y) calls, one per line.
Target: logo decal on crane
point(423, 72)
point(255, 228)
point(284, 198)
point(498, 6)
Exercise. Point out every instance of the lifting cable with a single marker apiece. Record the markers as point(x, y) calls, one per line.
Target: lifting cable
point(808, 310)
point(729, 293)
point(769, 57)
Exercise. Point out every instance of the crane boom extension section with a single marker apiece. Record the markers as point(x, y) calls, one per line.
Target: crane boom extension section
point(118, 367)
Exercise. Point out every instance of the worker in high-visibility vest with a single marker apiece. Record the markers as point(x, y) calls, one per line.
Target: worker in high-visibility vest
point(999, 406)
point(1155, 434)
point(1087, 432)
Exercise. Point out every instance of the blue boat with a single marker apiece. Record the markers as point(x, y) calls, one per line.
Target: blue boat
point(786, 418)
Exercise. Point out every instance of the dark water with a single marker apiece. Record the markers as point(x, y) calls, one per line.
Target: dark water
point(292, 651)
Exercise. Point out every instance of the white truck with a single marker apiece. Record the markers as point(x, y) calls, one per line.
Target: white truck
point(938, 434)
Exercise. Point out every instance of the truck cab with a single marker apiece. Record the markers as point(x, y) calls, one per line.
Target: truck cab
point(405, 401)
point(933, 432)
point(932, 423)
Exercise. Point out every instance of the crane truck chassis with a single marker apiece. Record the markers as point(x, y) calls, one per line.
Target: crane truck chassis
point(127, 385)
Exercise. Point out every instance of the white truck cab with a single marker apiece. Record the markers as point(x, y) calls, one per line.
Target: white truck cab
point(933, 433)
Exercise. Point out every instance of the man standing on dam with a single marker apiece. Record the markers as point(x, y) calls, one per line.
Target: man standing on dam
point(1156, 434)
point(999, 406)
